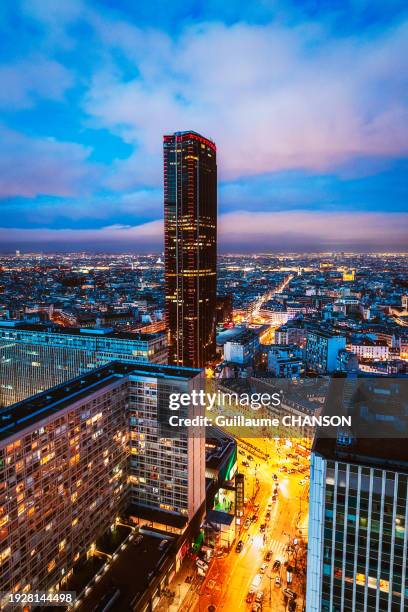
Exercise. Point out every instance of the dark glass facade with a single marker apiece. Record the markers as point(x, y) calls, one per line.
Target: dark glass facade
point(190, 241)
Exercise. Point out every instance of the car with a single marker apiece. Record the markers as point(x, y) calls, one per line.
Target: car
point(239, 546)
point(292, 606)
point(247, 523)
point(263, 568)
point(262, 528)
point(245, 463)
point(256, 607)
point(275, 492)
point(275, 477)
point(268, 516)
point(256, 580)
point(250, 595)
point(302, 482)
point(268, 556)
point(250, 458)
point(278, 581)
point(259, 597)
point(241, 452)
point(289, 593)
point(276, 565)
point(274, 498)
point(254, 518)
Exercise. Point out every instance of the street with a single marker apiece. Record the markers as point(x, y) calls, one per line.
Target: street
point(230, 577)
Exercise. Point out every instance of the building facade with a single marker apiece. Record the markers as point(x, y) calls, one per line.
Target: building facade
point(242, 349)
point(36, 357)
point(358, 528)
point(190, 243)
point(322, 349)
point(67, 467)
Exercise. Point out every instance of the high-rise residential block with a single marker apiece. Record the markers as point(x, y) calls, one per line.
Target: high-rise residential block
point(75, 456)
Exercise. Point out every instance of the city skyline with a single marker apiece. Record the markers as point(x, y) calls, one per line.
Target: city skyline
point(81, 131)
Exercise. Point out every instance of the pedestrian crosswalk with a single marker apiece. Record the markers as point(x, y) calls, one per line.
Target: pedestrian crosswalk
point(278, 549)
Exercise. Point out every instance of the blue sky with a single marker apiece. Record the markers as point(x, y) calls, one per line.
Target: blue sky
point(307, 102)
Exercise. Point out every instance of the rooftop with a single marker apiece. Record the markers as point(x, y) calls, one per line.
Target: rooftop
point(379, 429)
point(97, 332)
point(17, 417)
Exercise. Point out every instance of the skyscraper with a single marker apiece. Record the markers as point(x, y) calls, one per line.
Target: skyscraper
point(358, 518)
point(190, 242)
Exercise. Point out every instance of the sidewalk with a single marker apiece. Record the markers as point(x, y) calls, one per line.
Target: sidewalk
point(180, 587)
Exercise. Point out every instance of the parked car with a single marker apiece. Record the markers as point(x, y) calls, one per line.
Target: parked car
point(277, 581)
point(275, 477)
point(250, 458)
point(268, 556)
point(245, 463)
point(268, 516)
point(263, 568)
point(262, 528)
point(239, 546)
point(276, 565)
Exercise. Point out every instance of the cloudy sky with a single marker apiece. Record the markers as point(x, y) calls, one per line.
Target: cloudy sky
point(306, 100)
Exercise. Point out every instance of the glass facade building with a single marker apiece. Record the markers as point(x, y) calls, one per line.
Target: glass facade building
point(34, 358)
point(190, 242)
point(74, 456)
point(358, 526)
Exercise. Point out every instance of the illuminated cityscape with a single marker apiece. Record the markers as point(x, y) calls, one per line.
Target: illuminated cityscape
point(203, 306)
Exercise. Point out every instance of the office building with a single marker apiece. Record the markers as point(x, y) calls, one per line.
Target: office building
point(322, 349)
point(243, 348)
point(36, 357)
point(285, 360)
point(75, 456)
point(358, 520)
point(190, 244)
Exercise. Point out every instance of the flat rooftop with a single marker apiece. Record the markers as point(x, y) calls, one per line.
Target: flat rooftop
point(96, 332)
point(379, 431)
point(21, 415)
point(132, 571)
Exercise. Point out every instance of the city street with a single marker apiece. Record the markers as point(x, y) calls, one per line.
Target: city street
point(230, 578)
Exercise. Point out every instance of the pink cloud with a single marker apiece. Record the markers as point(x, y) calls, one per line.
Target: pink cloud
point(34, 166)
point(269, 231)
point(274, 98)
